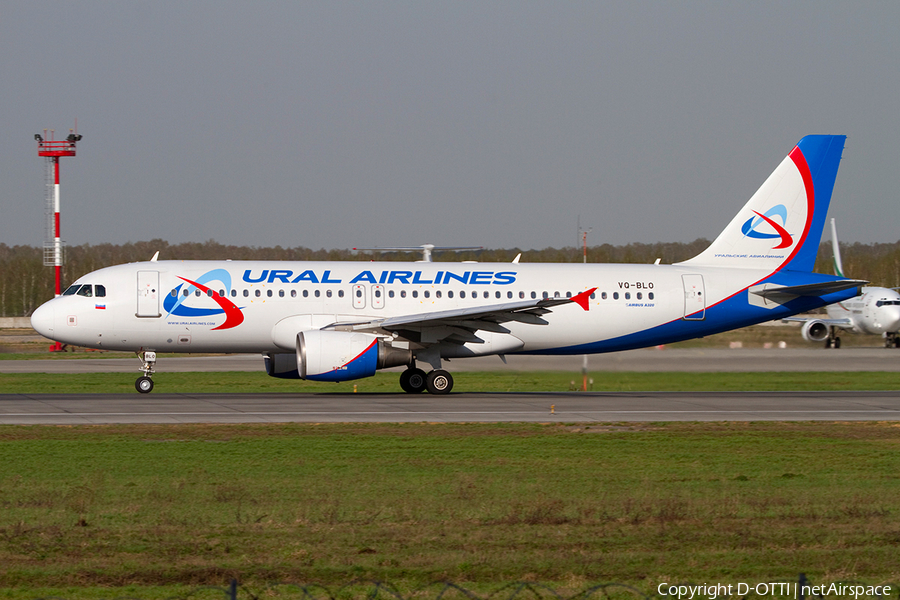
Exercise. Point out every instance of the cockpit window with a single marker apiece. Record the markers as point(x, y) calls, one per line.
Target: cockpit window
point(71, 290)
point(100, 291)
point(86, 290)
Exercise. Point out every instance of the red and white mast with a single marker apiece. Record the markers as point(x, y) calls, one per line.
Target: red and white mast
point(52, 150)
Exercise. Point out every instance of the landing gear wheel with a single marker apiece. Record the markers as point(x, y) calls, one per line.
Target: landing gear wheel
point(439, 382)
point(837, 343)
point(412, 381)
point(144, 385)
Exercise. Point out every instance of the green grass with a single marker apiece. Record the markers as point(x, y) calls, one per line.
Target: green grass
point(239, 382)
point(156, 510)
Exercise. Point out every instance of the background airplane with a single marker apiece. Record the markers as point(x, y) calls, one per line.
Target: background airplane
point(337, 321)
point(875, 311)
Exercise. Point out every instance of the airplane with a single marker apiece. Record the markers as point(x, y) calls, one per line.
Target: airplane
point(875, 311)
point(340, 321)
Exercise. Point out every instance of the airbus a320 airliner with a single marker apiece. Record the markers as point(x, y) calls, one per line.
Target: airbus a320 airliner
point(338, 321)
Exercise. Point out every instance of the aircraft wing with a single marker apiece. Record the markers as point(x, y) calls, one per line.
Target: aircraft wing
point(462, 322)
point(843, 323)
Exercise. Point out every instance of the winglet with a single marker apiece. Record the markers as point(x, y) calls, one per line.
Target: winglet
point(583, 298)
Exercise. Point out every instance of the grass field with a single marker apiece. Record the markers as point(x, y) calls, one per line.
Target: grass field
point(521, 381)
point(150, 511)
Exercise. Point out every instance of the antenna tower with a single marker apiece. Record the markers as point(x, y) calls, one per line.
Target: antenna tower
point(52, 150)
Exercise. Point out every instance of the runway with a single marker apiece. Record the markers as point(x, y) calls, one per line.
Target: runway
point(580, 407)
point(693, 360)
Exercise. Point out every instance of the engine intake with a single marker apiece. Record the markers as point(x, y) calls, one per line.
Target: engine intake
point(814, 331)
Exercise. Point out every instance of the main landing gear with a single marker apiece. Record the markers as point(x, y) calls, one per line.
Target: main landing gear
point(144, 383)
point(832, 341)
point(891, 340)
point(415, 381)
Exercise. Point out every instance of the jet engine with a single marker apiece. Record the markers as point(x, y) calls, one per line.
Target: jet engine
point(814, 331)
point(345, 355)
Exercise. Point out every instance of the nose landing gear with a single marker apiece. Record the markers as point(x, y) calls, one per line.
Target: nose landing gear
point(144, 383)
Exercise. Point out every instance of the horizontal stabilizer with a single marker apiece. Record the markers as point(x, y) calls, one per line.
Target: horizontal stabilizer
point(810, 289)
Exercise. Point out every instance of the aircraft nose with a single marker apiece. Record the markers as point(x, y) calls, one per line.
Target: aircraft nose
point(42, 319)
point(893, 321)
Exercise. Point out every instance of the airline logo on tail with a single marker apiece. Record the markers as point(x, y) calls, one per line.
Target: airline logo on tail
point(749, 228)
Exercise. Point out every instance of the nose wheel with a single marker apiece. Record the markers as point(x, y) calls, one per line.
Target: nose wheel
point(144, 383)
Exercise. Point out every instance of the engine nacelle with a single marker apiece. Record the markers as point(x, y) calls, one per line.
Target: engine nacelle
point(345, 355)
point(814, 331)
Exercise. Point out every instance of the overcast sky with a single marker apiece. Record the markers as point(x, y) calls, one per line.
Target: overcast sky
point(341, 124)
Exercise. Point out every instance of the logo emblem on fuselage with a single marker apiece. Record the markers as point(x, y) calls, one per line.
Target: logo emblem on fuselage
point(175, 305)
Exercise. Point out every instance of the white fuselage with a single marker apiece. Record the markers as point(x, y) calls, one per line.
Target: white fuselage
point(875, 311)
point(278, 299)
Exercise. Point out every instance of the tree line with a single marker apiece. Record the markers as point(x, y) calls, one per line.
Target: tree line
point(25, 283)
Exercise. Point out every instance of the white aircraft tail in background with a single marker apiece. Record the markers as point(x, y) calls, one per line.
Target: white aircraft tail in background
point(337, 321)
point(876, 310)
